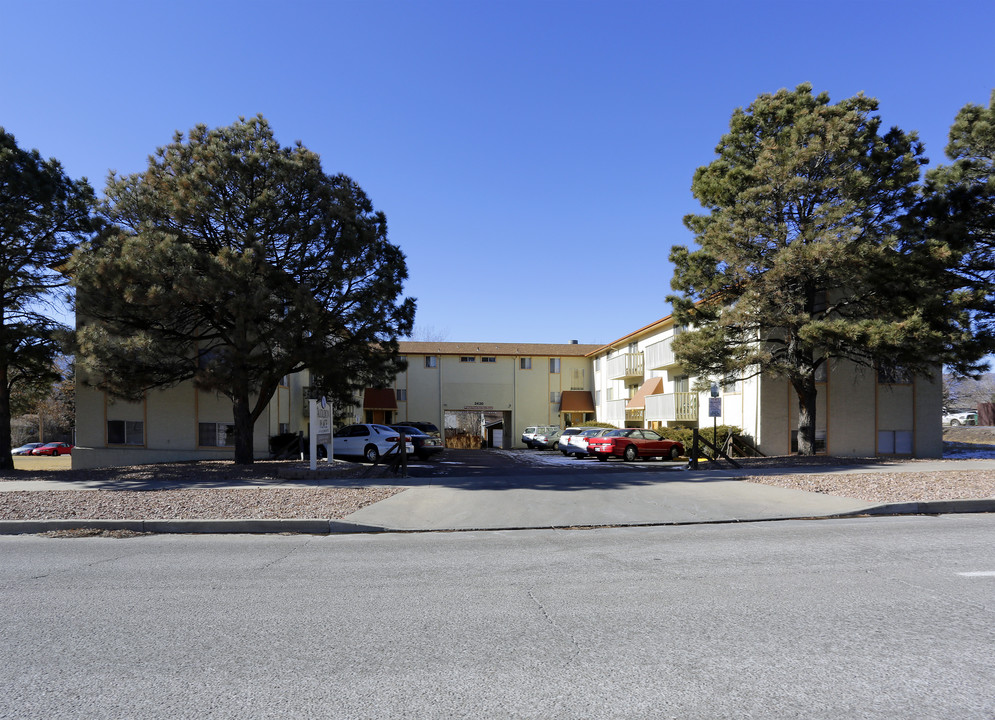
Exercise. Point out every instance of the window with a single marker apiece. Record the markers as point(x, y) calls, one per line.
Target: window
point(467, 358)
point(125, 432)
point(216, 434)
point(525, 363)
point(488, 359)
point(820, 441)
point(554, 397)
point(431, 361)
point(730, 384)
point(402, 395)
point(597, 397)
point(285, 381)
point(284, 428)
point(682, 384)
point(554, 365)
point(893, 375)
point(822, 373)
point(895, 442)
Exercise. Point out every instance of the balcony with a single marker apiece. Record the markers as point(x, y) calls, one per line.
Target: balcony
point(660, 355)
point(626, 365)
point(672, 407)
point(615, 412)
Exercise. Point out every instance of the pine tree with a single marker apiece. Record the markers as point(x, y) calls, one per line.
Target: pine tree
point(43, 215)
point(232, 261)
point(809, 251)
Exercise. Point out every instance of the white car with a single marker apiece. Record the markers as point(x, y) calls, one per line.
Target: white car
point(578, 443)
point(960, 418)
point(567, 438)
point(532, 430)
point(366, 441)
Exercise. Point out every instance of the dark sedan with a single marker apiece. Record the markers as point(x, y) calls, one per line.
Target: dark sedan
point(425, 445)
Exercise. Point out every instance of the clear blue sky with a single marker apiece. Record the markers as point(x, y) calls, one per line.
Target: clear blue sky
point(533, 158)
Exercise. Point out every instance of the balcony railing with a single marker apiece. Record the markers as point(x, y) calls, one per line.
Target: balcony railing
point(660, 355)
point(615, 412)
point(625, 365)
point(672, 407)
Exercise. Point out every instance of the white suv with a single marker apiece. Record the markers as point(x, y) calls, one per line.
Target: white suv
point(532, 430)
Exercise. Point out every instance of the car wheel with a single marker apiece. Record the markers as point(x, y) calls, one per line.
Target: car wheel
point(422, 456)
point(371, 453)
point(954, 422)
point(602, 458)
point(630, 453)
point(674, 454)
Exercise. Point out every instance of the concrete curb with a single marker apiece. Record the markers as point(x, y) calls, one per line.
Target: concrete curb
point(338, 527)
point(186, 527)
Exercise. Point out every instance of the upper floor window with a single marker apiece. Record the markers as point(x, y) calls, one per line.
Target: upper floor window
point(894, 375)
point(730, 384)
point(431, 361)
point(525, 363)
point(467, 358)
point(402, 395)
point(554, 365)
point(486, 359)
point(554, 397)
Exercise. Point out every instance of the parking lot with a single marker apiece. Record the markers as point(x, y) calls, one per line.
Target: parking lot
point(499, 463)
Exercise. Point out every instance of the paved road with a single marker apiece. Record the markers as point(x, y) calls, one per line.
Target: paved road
point(857, 618)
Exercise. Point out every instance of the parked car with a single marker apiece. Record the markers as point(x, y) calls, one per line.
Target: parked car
point(567, 438)
point(53, 448)
point(367, 441)
point(960, 418)
point(532, 430)
point(426, 427)
point(547, 440)
point(577, 445)
point(632, 443)
point(425, 445)
point(25, 449)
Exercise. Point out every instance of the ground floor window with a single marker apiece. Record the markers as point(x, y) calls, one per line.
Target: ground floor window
point(820, 441)
point(125, 432)
point(216, 434)
point(895, 442)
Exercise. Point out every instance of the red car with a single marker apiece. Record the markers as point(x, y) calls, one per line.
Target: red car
point(632, 443)
point(56, 448)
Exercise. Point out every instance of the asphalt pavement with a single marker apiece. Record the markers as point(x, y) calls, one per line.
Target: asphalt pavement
point(501, 490)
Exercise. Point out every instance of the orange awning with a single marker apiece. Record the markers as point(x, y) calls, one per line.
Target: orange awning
point(653, 386)
point(379, 399)
point(576, 401)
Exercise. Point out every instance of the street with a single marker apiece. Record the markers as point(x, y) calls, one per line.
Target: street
point(853, 618)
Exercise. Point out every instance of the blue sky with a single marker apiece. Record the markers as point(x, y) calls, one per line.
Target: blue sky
point(534, 159)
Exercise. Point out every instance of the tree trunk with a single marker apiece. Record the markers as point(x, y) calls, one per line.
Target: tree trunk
point(6, 461)
point(244, 426)
point(807, 394)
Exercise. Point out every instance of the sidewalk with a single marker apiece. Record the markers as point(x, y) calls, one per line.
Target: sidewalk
point(588, 499)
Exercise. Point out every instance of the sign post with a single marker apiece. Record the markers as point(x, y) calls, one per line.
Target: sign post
point(715, 412)
point(321, 430)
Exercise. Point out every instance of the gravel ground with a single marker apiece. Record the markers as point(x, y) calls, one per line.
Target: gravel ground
point(891, 487)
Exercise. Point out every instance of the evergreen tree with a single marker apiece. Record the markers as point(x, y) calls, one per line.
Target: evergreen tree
point(807, 252)
point(959, 208)
point(43, 214)
point(232, 261)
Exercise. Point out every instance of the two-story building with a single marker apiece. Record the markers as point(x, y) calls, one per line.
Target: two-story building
point(639, 383)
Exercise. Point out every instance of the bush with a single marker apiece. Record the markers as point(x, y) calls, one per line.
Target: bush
point(595, 423)
point(683, 434)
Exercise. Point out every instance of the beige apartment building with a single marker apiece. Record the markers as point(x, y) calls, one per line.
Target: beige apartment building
point(510, 385)
point(860, 412)
point(634, 381)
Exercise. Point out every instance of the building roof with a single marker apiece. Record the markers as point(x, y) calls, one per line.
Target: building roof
point(576, 401)
point(653, 386)
point(416, 347)
point(379, 399)
point(626, 339)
